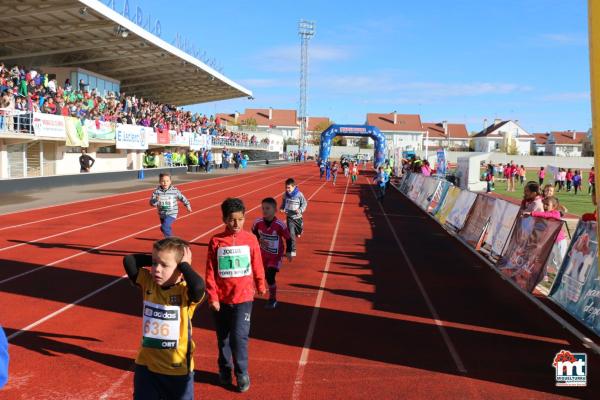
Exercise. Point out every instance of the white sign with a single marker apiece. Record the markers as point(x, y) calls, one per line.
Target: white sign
point(460, 211)
point(49, 125)
point(179, 139)
point(151, 136)
point(131, 137)
point(197, 141)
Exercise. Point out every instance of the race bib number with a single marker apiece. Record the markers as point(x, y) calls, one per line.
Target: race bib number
point(167, 202)
point(234, 261)
point(269, 243)
point(161, 326)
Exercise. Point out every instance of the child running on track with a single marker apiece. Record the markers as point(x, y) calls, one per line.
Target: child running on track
point(327, 171)
point(334, 171)
point(321, 169)
point(171, 290)
point(381, 180)
point(234, 272)
point(165, 198)
point(294, 204)
point(354, 172)
point(271, 233)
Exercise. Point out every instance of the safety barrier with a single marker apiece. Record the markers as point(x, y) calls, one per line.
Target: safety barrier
point(519, 247)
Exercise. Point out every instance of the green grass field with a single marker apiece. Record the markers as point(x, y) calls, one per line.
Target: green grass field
point(576, 204)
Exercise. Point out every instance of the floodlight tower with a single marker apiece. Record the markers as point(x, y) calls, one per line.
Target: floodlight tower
point(306, 30)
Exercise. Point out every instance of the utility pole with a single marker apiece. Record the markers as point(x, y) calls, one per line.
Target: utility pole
point(306, 30)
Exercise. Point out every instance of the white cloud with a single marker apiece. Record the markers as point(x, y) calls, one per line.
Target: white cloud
point(564, 38)
point(423, 91)
point(287, 58)
point(566, 97)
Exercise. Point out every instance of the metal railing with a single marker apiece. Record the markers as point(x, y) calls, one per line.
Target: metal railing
point(15, 121)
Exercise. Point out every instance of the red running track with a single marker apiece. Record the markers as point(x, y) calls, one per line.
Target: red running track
point(380, 303)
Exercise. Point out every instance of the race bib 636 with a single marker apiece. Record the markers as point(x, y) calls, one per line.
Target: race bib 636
point(161, 326)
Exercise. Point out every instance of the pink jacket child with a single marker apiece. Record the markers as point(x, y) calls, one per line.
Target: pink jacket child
point(554, 214)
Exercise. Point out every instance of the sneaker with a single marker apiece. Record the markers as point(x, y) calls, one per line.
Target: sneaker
point(271, 304)
point(293, 253)
point(225, 378)
point(299, 236)
point(243, 383)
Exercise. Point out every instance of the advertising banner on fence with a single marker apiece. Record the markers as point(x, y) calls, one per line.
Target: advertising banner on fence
point(427, 189)
point(577, 288)
point(461, 209)
point(407, 183)
point(131, 137)
point(48, 125)
point(101, 130)
point(437, 199)
point(448, 205)
point(76, 133)
point(502, 220)
point(528, 250)
point(476, 224)
point(163, 136)
point(415, 188)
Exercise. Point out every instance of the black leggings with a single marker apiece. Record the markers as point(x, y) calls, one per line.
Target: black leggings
point(270, 275)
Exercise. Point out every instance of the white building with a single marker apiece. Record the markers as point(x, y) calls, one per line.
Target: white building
point(402, 131)
point(504, 136)
point(565, 143)
point(266, 121)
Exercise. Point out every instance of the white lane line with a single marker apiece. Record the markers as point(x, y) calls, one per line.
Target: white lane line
point(436, 317)
point(315, 313)
point(110, 392)
point(252, 209)
point(103, 207)
point(124, 193)
point(115, 241)
point(121, 217)
point(63, 309)
point(111, 283)
point(113, 205)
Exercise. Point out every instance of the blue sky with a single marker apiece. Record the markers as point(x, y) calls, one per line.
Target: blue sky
point(459, 60)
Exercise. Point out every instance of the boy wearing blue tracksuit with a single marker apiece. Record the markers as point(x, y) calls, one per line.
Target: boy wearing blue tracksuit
point(165, 198)
point(381, 179)
point(294, 204)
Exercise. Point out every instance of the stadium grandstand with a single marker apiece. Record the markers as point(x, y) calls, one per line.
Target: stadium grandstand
point(77, 74)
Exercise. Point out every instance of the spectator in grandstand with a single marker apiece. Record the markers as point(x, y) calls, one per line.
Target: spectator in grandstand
point(532, 199)
point(150, 160)
point(86, 162)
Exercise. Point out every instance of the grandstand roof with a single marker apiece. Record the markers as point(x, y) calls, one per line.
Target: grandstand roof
point(88, 34)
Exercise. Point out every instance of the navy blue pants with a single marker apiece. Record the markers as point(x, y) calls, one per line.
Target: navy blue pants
point(232, 323)
point(296, 227)
point(165, 225)
point(148, 385)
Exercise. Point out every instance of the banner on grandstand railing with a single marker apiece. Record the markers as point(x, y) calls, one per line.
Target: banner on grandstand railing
point(131, 137)
point(197, 141)
point(528, 249)
point(476, 224)
point(151, 135)
point(461, 209)
point(502, 220)
point(179, 138)
point(102, 130)
point(163, 136)
point(448, 205)
point(76, 133)
point(577, 287)
point(437, 199)
point(49, 125)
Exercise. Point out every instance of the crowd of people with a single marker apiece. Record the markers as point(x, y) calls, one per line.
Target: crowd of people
point(28, 90)
point(201, 160)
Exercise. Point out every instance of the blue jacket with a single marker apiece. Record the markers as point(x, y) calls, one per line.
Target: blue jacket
point(3, 359)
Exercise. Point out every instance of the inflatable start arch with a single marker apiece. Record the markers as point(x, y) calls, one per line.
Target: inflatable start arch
point(353, 130)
